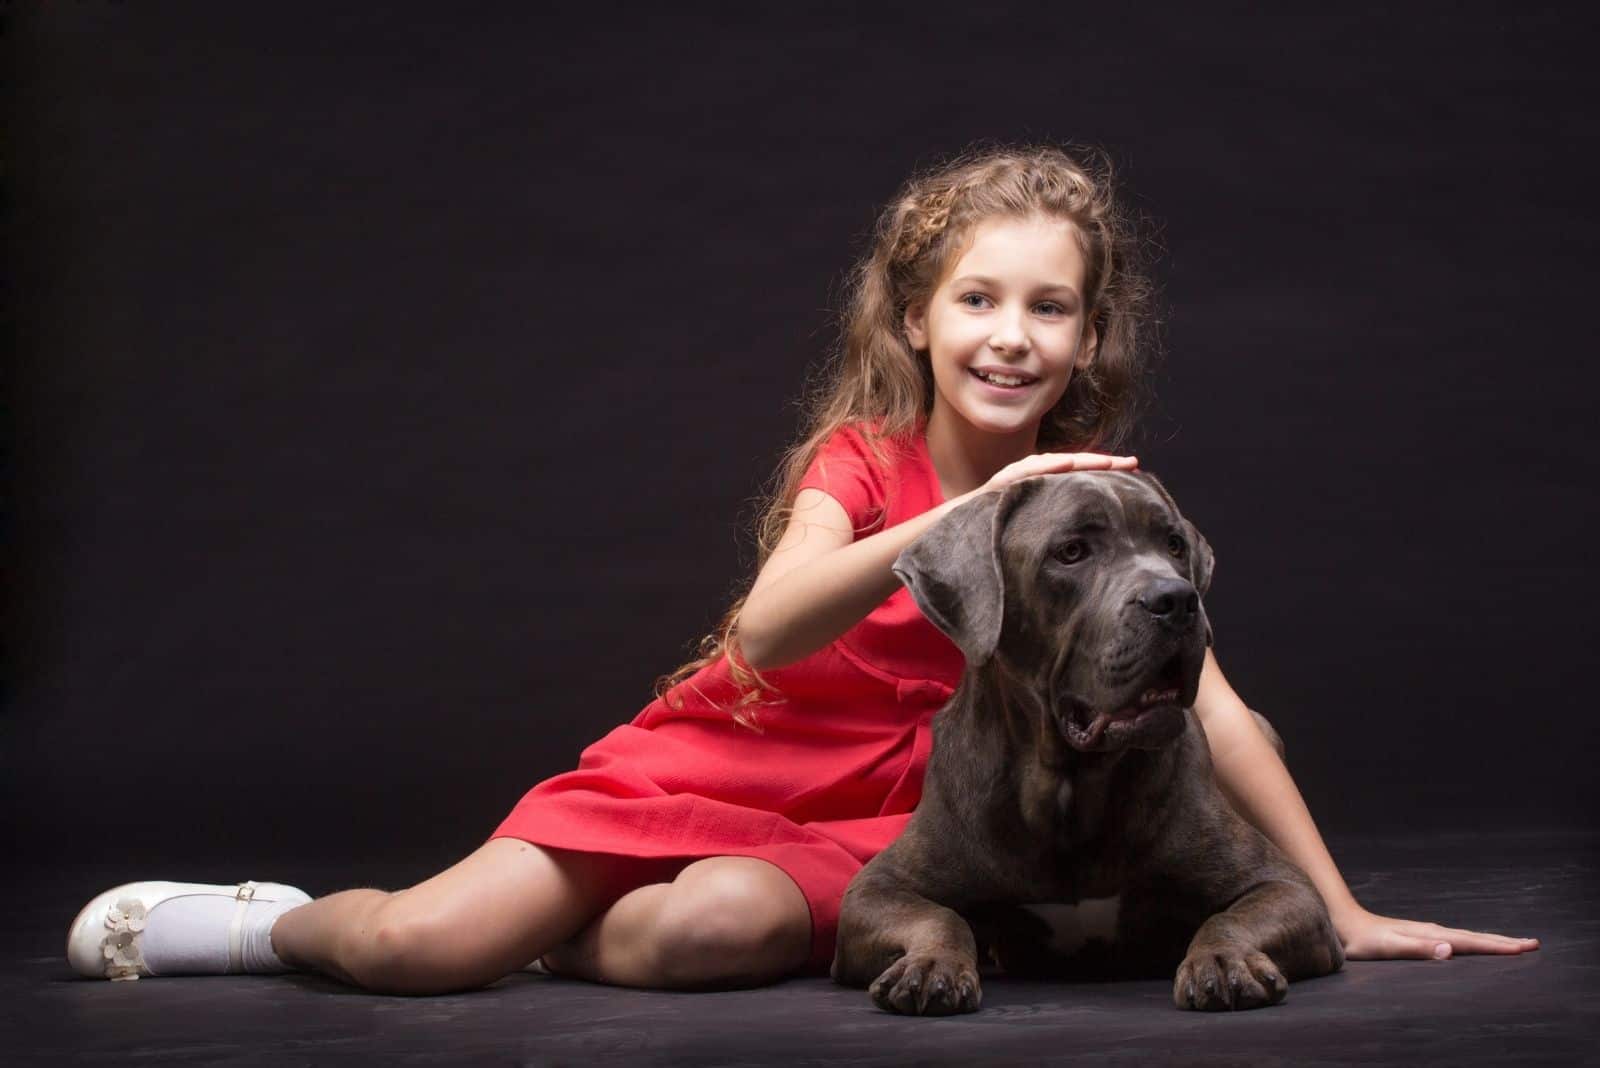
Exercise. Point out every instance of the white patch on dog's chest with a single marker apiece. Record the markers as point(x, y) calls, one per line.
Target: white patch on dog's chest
point(1073, 925)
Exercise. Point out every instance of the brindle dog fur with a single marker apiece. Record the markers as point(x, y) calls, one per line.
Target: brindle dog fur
point(1069, 769)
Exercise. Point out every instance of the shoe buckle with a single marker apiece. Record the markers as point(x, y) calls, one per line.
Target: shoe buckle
point(245, 892)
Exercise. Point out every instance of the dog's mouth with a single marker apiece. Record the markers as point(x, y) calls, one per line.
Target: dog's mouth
point(1152, 712)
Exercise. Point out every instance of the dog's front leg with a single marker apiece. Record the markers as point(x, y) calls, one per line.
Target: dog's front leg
point(1244, 956)
point(919, 957)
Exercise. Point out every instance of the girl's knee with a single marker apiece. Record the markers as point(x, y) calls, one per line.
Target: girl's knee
point(405, 952)
point(739, 923)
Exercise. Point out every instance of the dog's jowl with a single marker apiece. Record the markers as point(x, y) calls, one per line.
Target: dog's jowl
point(1070, 823)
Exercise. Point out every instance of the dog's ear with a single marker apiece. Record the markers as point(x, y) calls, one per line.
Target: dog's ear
point(953, 570)
point(1201, 562)
point(1201, 559)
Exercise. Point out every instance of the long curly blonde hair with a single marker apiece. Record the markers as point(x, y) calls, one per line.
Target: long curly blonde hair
point(876, 378)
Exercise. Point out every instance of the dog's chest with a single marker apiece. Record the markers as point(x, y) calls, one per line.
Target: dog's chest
point(1070, 809)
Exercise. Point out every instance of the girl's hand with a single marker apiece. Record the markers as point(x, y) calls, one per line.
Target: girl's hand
point(1049, 463)
point(1367, 936)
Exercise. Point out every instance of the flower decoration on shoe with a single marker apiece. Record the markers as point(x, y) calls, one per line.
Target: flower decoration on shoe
point(121, 947)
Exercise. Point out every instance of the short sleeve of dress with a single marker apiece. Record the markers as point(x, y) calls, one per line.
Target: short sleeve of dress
point(845, 469)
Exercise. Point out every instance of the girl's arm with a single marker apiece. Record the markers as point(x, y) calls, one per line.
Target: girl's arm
point(1259, 787)
point(817, 583)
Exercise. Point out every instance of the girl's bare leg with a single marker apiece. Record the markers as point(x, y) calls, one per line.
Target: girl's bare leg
point(723, 922)
point(471, 924)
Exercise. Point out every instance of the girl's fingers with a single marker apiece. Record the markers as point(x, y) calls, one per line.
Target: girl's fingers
point(1485, 942)
point(1083, 461)
point(1409, 939)
point(1048, 463)
point(1418, 947)
point(1390, 944)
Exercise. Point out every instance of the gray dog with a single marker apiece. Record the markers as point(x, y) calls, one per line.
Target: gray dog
point(1070, 774)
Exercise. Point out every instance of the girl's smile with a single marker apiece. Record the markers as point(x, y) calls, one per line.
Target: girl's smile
point(1003, 380)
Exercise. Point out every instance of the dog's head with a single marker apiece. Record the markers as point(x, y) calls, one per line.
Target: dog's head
point(1085, 584)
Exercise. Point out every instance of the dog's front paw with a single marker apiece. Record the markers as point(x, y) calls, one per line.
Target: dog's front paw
point(1228, 977)
point(928, 984)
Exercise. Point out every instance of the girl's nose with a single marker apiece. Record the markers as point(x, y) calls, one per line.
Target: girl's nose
point(1009, 335)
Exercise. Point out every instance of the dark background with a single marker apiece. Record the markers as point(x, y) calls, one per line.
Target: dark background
point(390, 390)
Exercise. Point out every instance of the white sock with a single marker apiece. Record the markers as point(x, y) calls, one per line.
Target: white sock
point(188, 935)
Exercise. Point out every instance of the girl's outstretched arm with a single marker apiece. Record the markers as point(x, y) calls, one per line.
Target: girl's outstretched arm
point(1259, 787)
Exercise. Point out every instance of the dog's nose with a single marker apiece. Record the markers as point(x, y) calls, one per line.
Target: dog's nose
point(1171, 600)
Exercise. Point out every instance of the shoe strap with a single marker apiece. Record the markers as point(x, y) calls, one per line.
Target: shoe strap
point(245, 892)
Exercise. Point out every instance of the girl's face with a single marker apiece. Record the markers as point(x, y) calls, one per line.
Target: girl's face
point(1006, 328)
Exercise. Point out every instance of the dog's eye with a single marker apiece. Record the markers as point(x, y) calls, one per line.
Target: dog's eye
point(1072, 551)
point(1176, 545)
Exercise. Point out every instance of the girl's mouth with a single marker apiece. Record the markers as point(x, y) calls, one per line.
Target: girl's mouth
point(1008, 383)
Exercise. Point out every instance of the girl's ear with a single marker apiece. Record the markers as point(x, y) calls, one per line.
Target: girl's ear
point(1089, 346)
point(916, 323)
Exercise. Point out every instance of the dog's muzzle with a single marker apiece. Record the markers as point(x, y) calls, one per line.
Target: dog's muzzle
point(1149, 716)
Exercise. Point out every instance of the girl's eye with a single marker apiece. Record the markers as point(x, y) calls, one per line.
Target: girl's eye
point(1072, 551)
point(1050, 307)
point(1176, 545)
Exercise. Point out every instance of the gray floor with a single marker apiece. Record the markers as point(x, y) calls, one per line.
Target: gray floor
point(1539, 1008)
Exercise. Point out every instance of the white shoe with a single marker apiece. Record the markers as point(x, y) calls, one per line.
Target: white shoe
point(103, 942)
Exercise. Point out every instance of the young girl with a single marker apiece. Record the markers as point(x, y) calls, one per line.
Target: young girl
point(993, 333)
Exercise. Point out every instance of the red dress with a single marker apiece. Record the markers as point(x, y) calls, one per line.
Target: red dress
point(836, 774)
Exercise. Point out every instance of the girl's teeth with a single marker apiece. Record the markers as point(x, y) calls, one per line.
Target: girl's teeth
point(1000, 380)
